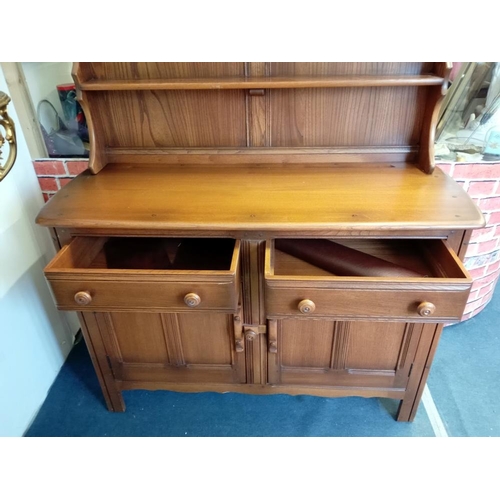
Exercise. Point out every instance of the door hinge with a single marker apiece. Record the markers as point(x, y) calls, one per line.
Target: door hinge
point(409, 372)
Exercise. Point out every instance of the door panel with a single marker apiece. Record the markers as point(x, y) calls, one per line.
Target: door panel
point(375, 346)
point(209, 341)
point(177, 348)
point(339, 353)
point(140, 337)
point(307, 344)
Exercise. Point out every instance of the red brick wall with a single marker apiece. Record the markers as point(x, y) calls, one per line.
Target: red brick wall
point(54, 174)
point(482, 260)
point(481, 181)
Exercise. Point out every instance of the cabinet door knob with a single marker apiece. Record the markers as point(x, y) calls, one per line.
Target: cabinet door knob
point(250, 335)
point(426, 309)
point(83, 298)
point(307, 306)
point(192, 299)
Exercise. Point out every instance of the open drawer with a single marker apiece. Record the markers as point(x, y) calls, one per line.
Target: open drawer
point(297, 288)
point(146, 274)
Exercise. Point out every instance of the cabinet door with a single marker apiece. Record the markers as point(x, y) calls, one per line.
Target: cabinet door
point(194, 348)
point(339, 354)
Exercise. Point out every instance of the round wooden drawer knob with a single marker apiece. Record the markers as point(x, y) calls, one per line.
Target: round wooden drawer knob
point(307, 306)
point(83, 298)
point(426, 309)
point(192, 300)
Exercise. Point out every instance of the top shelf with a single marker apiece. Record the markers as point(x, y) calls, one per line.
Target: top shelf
point(260, 200)
point(276, 82)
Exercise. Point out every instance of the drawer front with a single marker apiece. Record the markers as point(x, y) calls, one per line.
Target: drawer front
point(407, 305)
point(144, 296)
point(83, 277)
point(296, 288)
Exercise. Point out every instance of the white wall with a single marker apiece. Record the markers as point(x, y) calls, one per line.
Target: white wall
point(34, 337)
point(42, 78)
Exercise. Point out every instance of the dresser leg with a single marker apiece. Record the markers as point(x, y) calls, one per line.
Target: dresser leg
point(93, 340)
point(420, 371)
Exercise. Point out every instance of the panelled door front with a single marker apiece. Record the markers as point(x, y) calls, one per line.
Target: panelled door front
point(173, 347)
point(341, 353)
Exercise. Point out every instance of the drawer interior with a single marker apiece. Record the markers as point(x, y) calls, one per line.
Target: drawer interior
point(156, 254)
point(429, 258)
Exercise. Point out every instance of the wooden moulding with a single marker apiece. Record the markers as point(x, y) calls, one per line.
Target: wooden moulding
point(434, 100)
point(262, 155)
point(392, 393)
point(97, 159)
point(264, 82)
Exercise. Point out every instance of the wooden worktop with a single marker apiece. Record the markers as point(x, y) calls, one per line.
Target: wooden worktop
point(262, 200)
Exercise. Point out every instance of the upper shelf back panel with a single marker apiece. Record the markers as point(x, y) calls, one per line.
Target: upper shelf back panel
point(349, 68)
point(347, 117)
point(172, 119)
point(158, 71)
point(152, 71)
point(253, 112)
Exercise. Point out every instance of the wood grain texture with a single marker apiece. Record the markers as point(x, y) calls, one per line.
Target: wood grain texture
point(349, 68)
point(290, 281)
point(358, 354)
point(464, 244)
point(141, 338)
point(258, 109)
point(177, 348)
point(306, 344)
point(252, 271)
point(273, 359)
point(142, 295)
point(378, 305)
point(154, 71)
point(96, 124)
point(267, 234)
point(365, 341)
point(95, 345)
point(82, 72)
point(63, 236)
point(172, 119)
point(433, 105)
point(420, 371)
point(347, 117)
point(262, 198)
point(73, 270)
point(429, 257)
point(261, 82)
point(256, 357)
point(325, 104)
point(293, 390)
point(361, 155)
point(259, 151)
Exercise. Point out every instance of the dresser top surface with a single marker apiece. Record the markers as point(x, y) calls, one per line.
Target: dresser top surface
point(269, 198)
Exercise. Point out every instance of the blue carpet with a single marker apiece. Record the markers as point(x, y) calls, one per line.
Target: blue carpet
point(465, 377)
point(75, 407)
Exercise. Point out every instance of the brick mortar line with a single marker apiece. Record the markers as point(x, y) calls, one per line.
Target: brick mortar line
point(482, 306)
point(55, 176)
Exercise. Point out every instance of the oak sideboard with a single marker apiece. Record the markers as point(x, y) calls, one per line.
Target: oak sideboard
point(197, 170)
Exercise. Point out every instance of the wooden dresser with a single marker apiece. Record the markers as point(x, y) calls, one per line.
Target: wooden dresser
point(197, 169)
